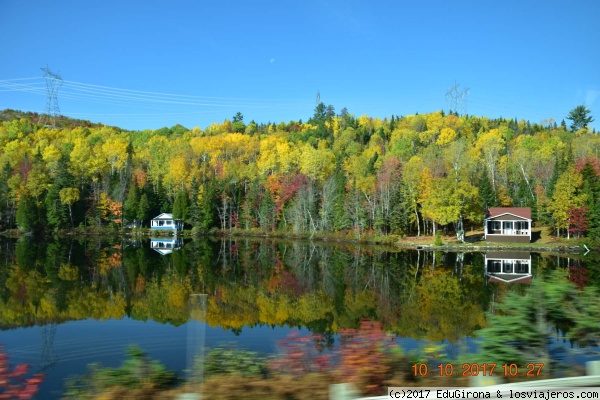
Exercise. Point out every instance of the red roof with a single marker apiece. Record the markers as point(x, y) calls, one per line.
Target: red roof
point(523, 212)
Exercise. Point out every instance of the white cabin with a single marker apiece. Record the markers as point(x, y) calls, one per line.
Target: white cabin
point(165, 222)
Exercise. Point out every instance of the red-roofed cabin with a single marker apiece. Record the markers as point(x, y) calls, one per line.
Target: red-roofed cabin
point(508, 224)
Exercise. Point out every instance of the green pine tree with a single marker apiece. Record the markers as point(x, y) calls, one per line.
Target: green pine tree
point(591, 189)
point(560, 165)
point(580, 117)
point(130, 207)
point(143, 210)
point(207, 207)
point(266, 218)
point(181, 206)
point(194, 208)
point(28, 215)
point(6, 203)
point(341, 221)
point(486, 191)
point(57, 213)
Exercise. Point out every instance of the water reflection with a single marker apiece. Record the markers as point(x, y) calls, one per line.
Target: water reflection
point(419, 294)
point(508, 267)
point(254, 286)
point(166, 245)
point(250, 282)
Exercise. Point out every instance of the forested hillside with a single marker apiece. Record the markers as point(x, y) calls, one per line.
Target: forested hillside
point(404, 175)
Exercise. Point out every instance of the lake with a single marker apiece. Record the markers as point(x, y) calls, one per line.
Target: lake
point(69, 303)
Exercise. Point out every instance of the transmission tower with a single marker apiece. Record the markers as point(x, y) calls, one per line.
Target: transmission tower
point(318, 97)
point(48, 356)
point(457, 98)
point(53, 82)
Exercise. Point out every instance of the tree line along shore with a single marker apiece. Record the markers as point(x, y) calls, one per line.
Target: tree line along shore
point(334, 176)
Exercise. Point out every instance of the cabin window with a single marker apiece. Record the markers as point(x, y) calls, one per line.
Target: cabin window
point(168, 222)
point(507, 267)
point(521, 227)
point(494, 225)
point(521, 267)
point(494, 266)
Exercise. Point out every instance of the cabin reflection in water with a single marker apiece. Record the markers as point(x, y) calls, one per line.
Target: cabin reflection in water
point(166, 245)
point(508, 266)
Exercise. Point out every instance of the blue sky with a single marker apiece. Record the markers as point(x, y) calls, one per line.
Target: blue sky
point(149, 64)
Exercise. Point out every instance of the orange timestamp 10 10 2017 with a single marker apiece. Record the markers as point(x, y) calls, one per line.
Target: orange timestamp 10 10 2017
point(485, 369)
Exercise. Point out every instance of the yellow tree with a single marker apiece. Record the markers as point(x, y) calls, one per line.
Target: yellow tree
point(115, 151)
point(434, 123)
point(411, 179)
point(69, 196)
point(490, 144)
point(38, 180)
point(268, 159)
point(446, 136)
point(14, 152)
point(158, 154)
point(365, 124)
point(428, 198)
point(566, 197)
point(87, 162)
point(451, 201)
point(80, 157)
point(362, 172)
point(345, 143)
point(179, 172)
point(316, 163)
point(51, 155)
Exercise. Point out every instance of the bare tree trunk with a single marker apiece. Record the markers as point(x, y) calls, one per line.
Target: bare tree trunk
point(418, 223)
point(526, 180)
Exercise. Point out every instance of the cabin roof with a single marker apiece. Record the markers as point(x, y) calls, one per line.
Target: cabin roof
point(523, 212)
point(164, 216)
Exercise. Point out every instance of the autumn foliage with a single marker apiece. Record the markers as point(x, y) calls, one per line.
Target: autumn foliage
point(336, 174)
point(14, 383)
point(366, 357)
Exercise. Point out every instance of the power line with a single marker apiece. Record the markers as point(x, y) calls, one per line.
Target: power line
point(123, 97)
point(88, 91)
point(110, 89)
point(169, 104)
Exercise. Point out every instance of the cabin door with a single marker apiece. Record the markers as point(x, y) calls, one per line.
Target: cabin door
point(507, 228)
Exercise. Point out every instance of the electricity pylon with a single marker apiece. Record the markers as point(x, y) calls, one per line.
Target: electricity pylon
point(53, 82)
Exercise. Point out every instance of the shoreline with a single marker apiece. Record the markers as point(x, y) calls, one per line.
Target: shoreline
point(575, 249)
point(391, 240)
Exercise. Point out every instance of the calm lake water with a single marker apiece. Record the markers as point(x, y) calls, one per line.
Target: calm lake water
point(65, 304)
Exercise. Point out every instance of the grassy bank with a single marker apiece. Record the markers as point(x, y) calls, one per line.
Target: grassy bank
point(543, 241)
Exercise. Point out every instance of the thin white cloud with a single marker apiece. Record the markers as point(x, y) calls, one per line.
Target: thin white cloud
point(591, 97)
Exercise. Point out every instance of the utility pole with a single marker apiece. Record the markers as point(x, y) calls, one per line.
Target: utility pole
point(53, 82)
